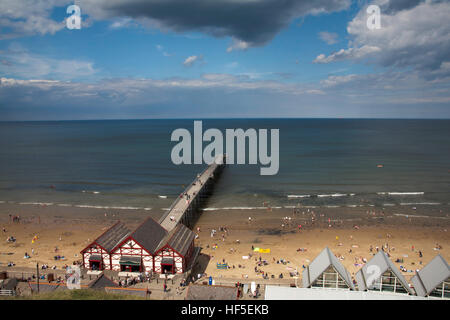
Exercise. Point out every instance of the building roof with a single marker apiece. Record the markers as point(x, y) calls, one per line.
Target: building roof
point(181, 239)
point(272, 292)
point(9, 284)
point(325, 259)
point(113, 236)
point(149, 234)
point(102, 282)
point(382, 261)
point(202, 292)
point(433, 274)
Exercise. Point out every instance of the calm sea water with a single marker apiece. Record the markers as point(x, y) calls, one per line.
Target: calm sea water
point(323, 162)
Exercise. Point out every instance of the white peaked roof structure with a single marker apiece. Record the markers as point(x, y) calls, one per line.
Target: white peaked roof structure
point(326, 271)
point(381, 274)
point(433, 279)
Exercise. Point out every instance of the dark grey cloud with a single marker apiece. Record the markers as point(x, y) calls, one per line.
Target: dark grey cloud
point(397, 5)
point(252, 21)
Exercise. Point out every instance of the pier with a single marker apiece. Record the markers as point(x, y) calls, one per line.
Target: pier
point(185, 209)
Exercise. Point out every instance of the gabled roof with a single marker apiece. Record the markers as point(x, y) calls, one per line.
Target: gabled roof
point(433, 274)
point(321, 263)
point(149, 234)
point(9, 284)
point(113, 236)
point(382, 261)
point(181, 239)
point(102, 282)
point(202, 292)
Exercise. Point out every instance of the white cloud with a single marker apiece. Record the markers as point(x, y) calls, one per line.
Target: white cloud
point(191, 60)
point(394, 94)
point(328, 37)
point(19, 62)
point(238, 45)
point(416, 36)
point(350, 53)
point(123, 23)
point(28, 17)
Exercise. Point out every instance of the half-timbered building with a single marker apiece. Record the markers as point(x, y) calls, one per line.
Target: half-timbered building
point(148, 248)
point(135, 253)
point(97, 255)
point(176, 251)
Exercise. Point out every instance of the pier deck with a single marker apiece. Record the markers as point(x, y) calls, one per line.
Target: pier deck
point(183, 208)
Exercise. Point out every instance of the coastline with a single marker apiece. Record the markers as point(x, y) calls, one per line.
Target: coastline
point(70, 229)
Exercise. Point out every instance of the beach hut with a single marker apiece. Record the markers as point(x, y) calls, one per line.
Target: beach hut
point(175, 251)
point(326, 271)
point(97, 255)
point(380, 274)
point(434, 279)
point(135, 252)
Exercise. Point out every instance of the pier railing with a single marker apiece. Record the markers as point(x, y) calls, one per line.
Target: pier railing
point(218, 161)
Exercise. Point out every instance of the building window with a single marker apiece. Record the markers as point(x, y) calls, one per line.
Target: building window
point(442, 290)
point(330, 278)
point(388, 282)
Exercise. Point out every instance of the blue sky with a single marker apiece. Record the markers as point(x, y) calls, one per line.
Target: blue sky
point(242, 58)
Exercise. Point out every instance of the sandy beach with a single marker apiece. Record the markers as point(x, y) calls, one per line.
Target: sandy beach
point(65, 231)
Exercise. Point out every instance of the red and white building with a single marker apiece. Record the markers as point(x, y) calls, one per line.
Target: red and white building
point(97, 255)
point(148, 248)
point(176, 252)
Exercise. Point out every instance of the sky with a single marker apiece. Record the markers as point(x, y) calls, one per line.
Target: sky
point(141, 59)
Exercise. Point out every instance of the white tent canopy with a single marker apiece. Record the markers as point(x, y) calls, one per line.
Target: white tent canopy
point(371, 273)
point(322, 263)
point(432, 276)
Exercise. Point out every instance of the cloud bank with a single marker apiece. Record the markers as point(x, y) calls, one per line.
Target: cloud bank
point(413, 34)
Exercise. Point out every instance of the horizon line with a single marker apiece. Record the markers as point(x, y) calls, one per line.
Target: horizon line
point(224, 118)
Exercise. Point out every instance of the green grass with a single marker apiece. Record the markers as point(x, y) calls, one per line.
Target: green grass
point(82, 294)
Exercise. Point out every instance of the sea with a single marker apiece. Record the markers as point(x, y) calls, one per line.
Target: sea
point(126, 164)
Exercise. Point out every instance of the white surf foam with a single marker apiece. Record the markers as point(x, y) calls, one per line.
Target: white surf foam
point(401, 193)
point(37, 203)
point(332, 195)
point(419, 203)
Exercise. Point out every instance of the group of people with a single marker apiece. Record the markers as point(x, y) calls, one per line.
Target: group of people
point(14, 219)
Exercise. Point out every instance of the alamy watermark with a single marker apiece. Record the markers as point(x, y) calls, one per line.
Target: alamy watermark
point(374, 19)
point(73, 277)
point(73, 21)
point(258, 150)
point(374, 273)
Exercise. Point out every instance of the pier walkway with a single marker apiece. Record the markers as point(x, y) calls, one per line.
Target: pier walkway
point(184, 208)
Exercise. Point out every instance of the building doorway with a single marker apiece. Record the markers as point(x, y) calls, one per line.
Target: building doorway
point(95, 262)
point(167, 266)
point(130, 264)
